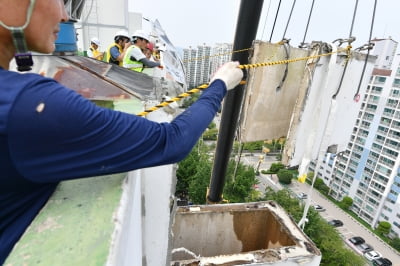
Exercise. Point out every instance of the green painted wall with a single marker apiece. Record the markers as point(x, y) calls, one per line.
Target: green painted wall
point(75, 227)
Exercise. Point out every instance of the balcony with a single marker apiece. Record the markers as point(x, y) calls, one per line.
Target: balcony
point(368, 118)
point(385, 122)
point(370, 110)
point(389, 155)
point(395, 147)
point(385, 163)
point(388, 114)
point(396, 126)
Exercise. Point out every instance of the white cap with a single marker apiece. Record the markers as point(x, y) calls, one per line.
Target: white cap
point(141, 34)
point(95, 41)
point(122, 33)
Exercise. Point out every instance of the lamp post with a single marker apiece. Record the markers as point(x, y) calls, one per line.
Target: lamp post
point(337, 159)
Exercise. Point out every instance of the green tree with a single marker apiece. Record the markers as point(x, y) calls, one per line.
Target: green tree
point(320, 185)
point(190, 100)
point(346, 202)
point(283, 198)
point(329, 243)
point(239, 188)
point(275, 167)
point(384, 227)
point(199, 182)
point(253, 146)
point(285, 176)
point(310, 177)
point(395, 243)
point(187, 168)
point(193, 178)
point(212, 125)
point(210, 134)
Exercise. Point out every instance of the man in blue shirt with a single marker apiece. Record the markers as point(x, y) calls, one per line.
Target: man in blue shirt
point(49, 133)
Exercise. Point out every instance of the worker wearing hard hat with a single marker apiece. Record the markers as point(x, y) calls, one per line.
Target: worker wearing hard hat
point(93, 51)
point(148, 52)
point(134, 58)
point(116, 51)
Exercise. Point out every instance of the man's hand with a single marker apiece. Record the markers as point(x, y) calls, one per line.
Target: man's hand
point(126, 45)
point(230, 74)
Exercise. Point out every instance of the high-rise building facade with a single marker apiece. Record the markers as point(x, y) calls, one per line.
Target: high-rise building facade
point(202, 61)
point(222, 53)
point(368, 171)
point(189, 57)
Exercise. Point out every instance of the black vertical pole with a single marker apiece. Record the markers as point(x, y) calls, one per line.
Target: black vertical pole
point(246, 29)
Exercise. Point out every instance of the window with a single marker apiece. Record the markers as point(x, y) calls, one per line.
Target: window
point(383, 129)
point(394, 92)
point(391, 102)
point(372, 106)
point(396, 224)
point(386, 208)
point(396, 83)
point(391, 201)
point(381, 79)
point(377, 90)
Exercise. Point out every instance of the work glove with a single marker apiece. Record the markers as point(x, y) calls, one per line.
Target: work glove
point(230, 74)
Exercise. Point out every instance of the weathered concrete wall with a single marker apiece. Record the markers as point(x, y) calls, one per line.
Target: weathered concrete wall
point(300, 105)
point(327, 113)
point(269, 103)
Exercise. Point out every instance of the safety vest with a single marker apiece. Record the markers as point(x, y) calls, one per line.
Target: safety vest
point(132, 64)
point(109, 58)
point(96, 53)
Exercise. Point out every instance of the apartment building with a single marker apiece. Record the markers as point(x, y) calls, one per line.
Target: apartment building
point(368, 170)
point(202, 61)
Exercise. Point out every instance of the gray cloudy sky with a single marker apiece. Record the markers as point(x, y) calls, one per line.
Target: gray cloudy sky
point(194, 22)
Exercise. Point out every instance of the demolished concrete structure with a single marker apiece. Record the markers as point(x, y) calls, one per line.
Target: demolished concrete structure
point(258, 233)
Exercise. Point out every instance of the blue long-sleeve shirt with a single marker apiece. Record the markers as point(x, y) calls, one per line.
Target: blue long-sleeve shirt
point(49, 133)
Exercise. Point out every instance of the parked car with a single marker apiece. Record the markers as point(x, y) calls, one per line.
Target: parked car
point(372, 255)
point(356, 240)
point(319, 208)
point(335, 223)
point(382, 262)
point(302, 195)
point(364, 247)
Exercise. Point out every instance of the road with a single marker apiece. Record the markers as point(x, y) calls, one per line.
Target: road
point(351, 227)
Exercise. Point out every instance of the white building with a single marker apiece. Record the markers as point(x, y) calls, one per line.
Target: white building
point(204, 60)
point(368, 170)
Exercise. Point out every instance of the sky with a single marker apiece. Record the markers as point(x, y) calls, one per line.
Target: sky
point(195, 22)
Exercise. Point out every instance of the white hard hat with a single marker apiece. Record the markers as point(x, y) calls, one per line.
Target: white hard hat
point(95, 41)
point(141, 34)
point(122, 33)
